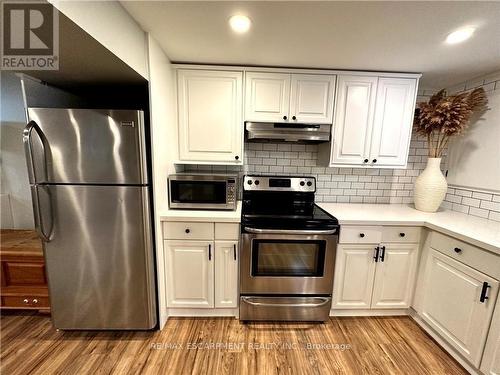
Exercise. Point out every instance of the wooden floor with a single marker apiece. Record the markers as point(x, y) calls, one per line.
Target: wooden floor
point(382, 345)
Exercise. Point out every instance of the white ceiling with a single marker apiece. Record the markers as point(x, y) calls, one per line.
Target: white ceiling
point(389, 36)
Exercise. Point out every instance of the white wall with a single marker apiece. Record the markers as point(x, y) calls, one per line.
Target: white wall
point(474, 159)
point(164, 146)
point(14, 183)
point(110, 24)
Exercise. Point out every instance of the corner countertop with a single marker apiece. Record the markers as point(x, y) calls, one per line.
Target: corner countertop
point(477, 231)
point(218, 216)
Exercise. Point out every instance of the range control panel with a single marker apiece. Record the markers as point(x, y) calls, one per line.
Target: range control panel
point(279, 183)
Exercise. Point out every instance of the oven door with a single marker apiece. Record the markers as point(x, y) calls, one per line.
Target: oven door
point(199, 194)
point(287, 263)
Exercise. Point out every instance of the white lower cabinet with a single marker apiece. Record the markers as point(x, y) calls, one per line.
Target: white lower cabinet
point(364, 280)
point(353, 281)
point(226, 274)
point(394, 276)
point(453, 304)
point(490, 364)
point(190, 273)
point(201, 272)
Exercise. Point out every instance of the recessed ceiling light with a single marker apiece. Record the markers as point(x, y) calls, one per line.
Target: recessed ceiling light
point(460, 35)
point(240, 24)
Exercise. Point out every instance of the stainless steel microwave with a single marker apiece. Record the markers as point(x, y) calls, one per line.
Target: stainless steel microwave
point(202, 191)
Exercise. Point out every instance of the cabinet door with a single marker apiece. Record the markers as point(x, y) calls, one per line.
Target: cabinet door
point(393, 121)
point(226, 273)
point(353, 281)
point(311, 98)
point(490, 364)
point(267, 97)
point(451, 304)
point(395, 276)
point(190, 273)
point(355, 106)
point(210, 116)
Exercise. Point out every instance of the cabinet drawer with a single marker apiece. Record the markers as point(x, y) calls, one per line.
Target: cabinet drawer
point(475, 257)
point(400, 234)
point(23, 273)
point(360, 234)
point(179, 230)
point(22, 302)
point(225, 231)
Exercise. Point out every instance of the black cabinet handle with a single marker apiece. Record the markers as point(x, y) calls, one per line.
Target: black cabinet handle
point(483, 297)
point(284, 117)
point(374, 160)
point(365, 161)
point(209, 252)
point(382, 255)
point(294, 118)
point(402, 234)
point(187, 230)
point(236, 157)
point(377, 250)
point(234, 251)
point(361, 235)
point(457, 250)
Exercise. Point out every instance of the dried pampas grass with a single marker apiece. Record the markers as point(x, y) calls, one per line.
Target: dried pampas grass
point(445, 116)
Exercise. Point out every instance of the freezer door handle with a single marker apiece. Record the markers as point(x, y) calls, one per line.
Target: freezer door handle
point(32, 125)
point(38, 214)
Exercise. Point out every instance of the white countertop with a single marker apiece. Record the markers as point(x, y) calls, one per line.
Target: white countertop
point(477, 231)
point(218, 216)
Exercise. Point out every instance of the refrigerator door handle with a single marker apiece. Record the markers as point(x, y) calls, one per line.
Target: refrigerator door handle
point(38, 214)
point(32, 125)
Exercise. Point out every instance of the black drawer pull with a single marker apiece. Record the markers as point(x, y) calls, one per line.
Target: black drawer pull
point(382, 255)
point(377, 250)
point(457, 250)
point(402, 234)
point(361, 235)
point(209, 252)
point(234, 251)
point(187, 230)
point(484, 297)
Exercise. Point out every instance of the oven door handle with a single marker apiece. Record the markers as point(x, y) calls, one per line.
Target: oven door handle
point(250, 301)
point(288, 231)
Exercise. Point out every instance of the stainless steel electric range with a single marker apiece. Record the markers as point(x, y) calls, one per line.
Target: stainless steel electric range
point(288, 251)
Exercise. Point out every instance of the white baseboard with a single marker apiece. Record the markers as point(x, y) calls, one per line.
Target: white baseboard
point(448, 348)
point(369, 312)
point(186, 312)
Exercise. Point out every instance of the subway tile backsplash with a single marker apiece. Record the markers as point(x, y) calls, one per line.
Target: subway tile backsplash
point(360, 185)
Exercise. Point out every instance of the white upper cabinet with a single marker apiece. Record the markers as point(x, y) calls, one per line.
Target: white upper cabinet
point(311, 98)
point(373, 122)
point(353, 119)
point(393, 121)
point(289, 97)
point(210, 106)
point(267, 97)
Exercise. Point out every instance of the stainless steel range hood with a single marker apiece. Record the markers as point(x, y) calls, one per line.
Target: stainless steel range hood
point(288, 132)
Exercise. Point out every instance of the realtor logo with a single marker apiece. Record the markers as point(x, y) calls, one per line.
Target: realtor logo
point(30, 36)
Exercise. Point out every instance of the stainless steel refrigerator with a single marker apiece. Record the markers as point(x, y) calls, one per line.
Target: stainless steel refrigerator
point(90, 190)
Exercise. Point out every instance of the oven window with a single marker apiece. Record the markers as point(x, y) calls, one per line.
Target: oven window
point(288, 258)
point(213, 192)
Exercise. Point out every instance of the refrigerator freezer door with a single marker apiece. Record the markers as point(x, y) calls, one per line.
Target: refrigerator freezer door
point(85, 146)
point(99, 257)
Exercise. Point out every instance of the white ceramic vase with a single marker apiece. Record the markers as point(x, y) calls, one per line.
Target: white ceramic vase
point(430, 187)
